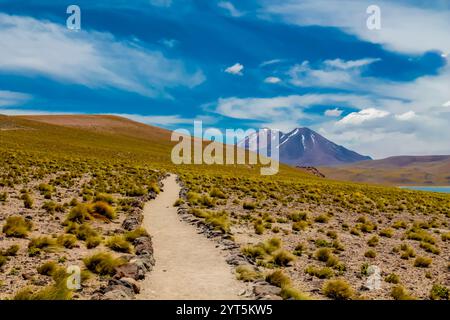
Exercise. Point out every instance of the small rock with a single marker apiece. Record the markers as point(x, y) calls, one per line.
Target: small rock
point(265, 290)
point(132, 283)
point(129, 270)
point(27, 276)
point(116, 294)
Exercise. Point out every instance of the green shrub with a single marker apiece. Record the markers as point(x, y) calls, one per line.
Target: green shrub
point(199, 213)
point(400, 293)
point(103, 197)
point(288, 292)
point(17, 227)
point(10, 251)
point(48, 268)
point(323, 254)
point(282, 258)
point(299, 249)
point(258, 225)
point(45, 188)
point(36, 245)
point(278, 279)
point(392, 278)
point(103, 263)
point(219, 221)
point(422, 262)
point(83, 232)
point(3, 260)
point(154, 187)
point(321, 218)
point(247, 205)
point(370, 254)
point(247, 273)
point(137, 233)
point(103, 209)
point(298, 216)
point(408, 252)
point(68, 241)
point(321, 273)
point(178, 203)
point(119, 244)
point(217, 193)
point(445, 236)
point(373, 241)
point(27, 201)
point(337, 289)
point(430, 248)
point(439, 292)
point(387, 233)
point(93, 241)
point(299, 225)
point(56, 291)
point(321, 243)
point(420, 235)
point(78, 214)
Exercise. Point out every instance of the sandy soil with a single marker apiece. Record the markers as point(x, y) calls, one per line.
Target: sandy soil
point(188, 265)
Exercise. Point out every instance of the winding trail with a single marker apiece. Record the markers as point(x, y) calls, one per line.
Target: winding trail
point(188, 265)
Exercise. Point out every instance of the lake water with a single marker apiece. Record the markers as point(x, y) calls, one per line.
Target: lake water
point(429, 189)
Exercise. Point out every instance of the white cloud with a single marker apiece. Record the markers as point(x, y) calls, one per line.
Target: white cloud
point(404, 27)
point(363, 116)
point(169, 120)
point(235, 69)
point(89, 58)
point(10, 98)
point(333, 112)
point(447, 104)
point(406, 116)
point(230, 8)
point(350, 64)
point(409, 117)
point(270, 62)
point(169, 43)
point(273, 112)
point(272, 80)
point(330, 73)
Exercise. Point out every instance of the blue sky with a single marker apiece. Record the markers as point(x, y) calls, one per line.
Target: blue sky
point(239, 64)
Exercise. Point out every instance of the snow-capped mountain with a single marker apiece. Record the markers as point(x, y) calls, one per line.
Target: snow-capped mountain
point(303, 147)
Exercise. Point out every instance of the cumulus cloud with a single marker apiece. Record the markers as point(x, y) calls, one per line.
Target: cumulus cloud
point(235, 69)
point(363, 116)
point(89, 58)
point(272, 80)
point(333, 112)
point(230, 8)
point(447, 104)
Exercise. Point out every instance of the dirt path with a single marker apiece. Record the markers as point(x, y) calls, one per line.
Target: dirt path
point(188, 265)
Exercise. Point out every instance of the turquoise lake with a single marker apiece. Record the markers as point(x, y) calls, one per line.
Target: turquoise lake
point(429, 189)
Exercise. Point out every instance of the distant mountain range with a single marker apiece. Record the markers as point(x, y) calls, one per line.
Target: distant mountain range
point(304, 147)
point(399, 170)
